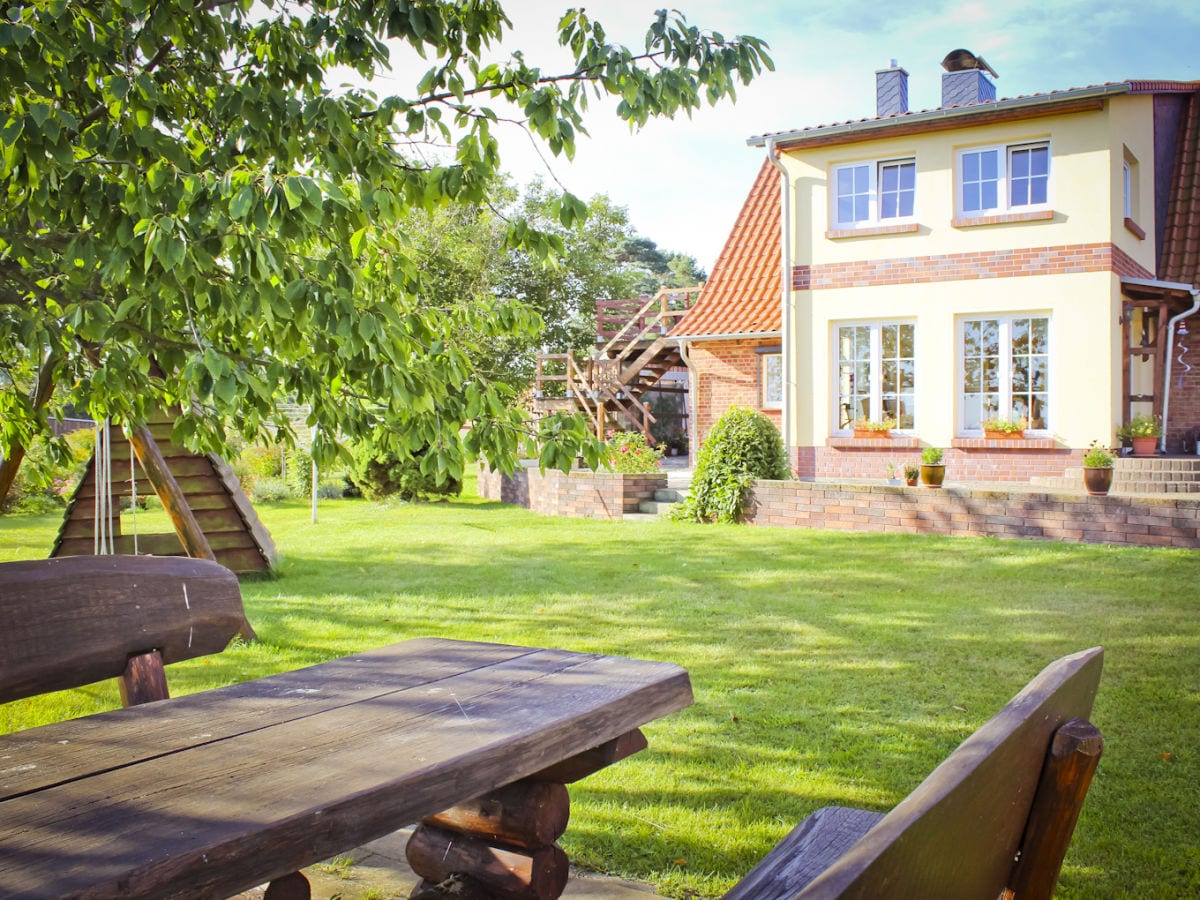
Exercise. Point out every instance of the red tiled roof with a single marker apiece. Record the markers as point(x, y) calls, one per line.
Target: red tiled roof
point(742, 294)
point(1180, 259)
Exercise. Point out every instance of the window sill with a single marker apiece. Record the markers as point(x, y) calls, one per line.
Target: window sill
point(838, 234)
point(1025, 443)
point(1135, 229)
point(895, 442)
point(1041, 215)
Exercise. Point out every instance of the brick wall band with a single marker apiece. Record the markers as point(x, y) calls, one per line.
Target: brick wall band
point(1137, 521)
point(990, 464)
point(1060, 260)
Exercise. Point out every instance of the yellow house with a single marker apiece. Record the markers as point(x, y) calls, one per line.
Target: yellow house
point(1024, 260)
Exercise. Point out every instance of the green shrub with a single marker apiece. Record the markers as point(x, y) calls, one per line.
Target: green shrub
point(742, 447)
point(381, 472)
point(257, 461)
point(932, 456)
point(628, 453)
point(332, 488)
point(299, 471)
point(271, 490)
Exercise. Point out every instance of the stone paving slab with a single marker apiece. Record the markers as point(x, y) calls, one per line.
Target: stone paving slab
point(378, 871)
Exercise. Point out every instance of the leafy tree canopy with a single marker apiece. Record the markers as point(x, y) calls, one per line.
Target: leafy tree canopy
point(194, 217)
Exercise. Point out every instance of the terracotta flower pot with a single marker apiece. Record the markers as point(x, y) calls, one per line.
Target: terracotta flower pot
point(1004, 435)
point(1098, 480)
point(1144, 446)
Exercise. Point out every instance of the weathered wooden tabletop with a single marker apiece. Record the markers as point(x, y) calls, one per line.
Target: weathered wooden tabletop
point(214, 793)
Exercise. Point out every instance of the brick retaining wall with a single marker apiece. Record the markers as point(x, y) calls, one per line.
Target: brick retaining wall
point(1142, 521)
point(581, 494)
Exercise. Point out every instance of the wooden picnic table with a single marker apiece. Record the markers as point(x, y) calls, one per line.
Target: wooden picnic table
point(213, 793)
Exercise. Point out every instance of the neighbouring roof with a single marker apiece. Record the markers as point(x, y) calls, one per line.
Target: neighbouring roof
point(1180, 258)
point(742, 295)
point(949, 116)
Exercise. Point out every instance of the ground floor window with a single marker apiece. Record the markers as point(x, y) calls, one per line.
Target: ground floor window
point(1005, 371)
point(876, 373)
point(771, 379)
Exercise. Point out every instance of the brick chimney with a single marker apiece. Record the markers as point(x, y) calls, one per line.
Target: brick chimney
point(964, 80)
point(891, 91)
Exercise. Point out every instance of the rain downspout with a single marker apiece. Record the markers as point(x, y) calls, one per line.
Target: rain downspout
point(693, 404)
point(1170, 350)
point(788, 341)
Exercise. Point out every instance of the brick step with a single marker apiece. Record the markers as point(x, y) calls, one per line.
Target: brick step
point(1177, 465)
point(670, 495)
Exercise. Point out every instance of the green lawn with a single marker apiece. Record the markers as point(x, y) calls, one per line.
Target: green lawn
point(829, 668)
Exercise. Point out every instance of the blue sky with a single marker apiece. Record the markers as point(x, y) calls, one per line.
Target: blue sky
point(683, 181)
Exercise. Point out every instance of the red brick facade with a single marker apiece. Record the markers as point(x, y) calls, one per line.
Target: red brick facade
point(582, 495)
point(1061, 260)
point(1139, 521)
point(725, 374)
point(1183, 423)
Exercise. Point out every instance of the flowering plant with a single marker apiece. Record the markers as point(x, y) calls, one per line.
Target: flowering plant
point(1097, 457)
point(1141, 426)
point(1005, 425)
point(628, 453)
point(874, 424)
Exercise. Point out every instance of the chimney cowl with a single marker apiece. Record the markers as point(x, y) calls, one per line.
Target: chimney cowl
point(964, 81)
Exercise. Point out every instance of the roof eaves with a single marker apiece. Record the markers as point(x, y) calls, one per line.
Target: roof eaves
point(733, 336)
point(785, 139)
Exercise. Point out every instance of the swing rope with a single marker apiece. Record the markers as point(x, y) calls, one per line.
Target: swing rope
point(102, 531)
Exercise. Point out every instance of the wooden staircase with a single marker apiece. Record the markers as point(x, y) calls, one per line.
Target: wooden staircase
point(610, 385)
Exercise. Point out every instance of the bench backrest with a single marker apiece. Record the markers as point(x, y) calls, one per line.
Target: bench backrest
point(71, 621)
point(1016, 784)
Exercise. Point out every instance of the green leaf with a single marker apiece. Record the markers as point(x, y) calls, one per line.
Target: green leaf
point(356, 241)
point(242, 202)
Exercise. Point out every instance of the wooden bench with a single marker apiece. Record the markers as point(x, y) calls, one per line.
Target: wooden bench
point(993, 820)
point(219, 791)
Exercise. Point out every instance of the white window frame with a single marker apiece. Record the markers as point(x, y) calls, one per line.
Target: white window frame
point(766, 362)
point(1005, 370)
point(875, 217)
point(875, 398)
point(1004, 200)
point(1127, 185)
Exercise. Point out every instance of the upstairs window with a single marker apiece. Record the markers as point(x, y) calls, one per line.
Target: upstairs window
point(874, 193)
point(996, 180)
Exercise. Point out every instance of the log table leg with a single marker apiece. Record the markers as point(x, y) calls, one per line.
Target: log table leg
point(501, 845)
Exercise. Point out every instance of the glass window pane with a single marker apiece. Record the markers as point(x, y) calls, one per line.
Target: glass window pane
point(907, 377)
point(970, 166)
point(906, 341)
point(990, 191)
point(862, 342)
point(1037, 190)
point(890, 206)
point(889, 339)
point(889, 178)
point(1020, 164)
point(845, 209)
point(991, 375)
point(971, 376)
point(989, 337)
point(989, 165)
point(845, 181)
point(908, 176)
point(1020, 193)
point(1020, 336)
point(906, 203)
point(1038, 369)
point(1039, 161)
point(862, 179)
point(861, 208)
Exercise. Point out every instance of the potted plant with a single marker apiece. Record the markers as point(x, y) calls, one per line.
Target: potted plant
point(892, 477)
point(1097, 470)
point(1143, 433)
point(1003, 429)
point(911, 473)
point(933, 471)
point(873, 428)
